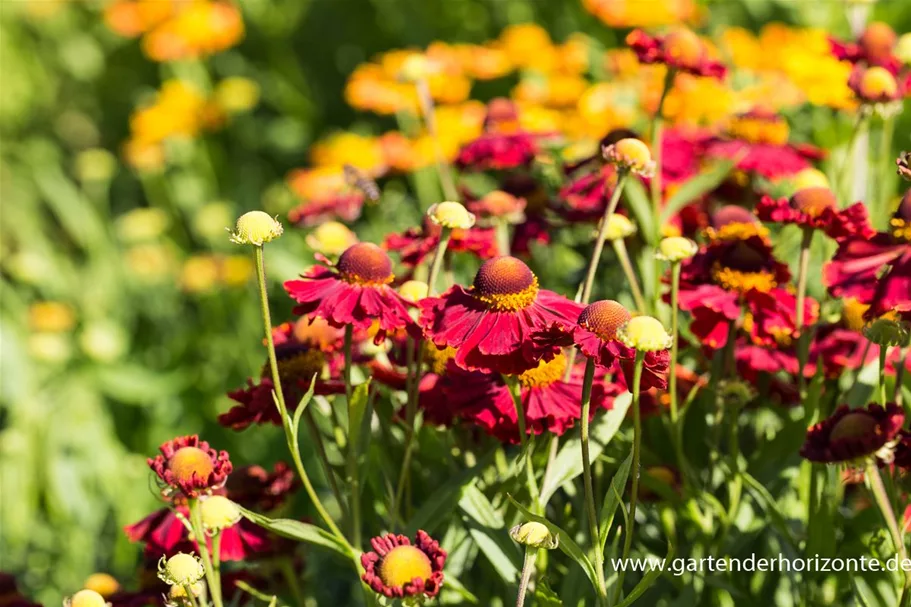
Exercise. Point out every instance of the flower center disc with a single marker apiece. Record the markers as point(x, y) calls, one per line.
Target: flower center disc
point(295, 362)
point(437, 359)
point(760, 127)
point(813, 201)
point(545, 374)
point(878, 82)
point(603, 318)
point(366, 264)
point(901, 220)
point(403, 564)
point(853, 425)
point(505, 284)
point(188, 461)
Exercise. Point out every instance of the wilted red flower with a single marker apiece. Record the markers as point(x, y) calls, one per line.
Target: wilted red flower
point(681, 50)
point(415, 244)
point(356, 292)
point(257, 488)
point(758, 141)
point(875, 46)
point(397, 569)
point(189, 465)
point(817, 208)
point(303, 350)
point(489, 323)
point(852, 434)
point(876, 271)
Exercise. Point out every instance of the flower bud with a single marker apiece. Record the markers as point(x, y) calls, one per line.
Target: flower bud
point(644, 333)
point(413, 290)
point(887, 332)
point(256, 228)
point(181, 569)
point(630, 155)
point(676, 248)
point(331, 238)
point(103, 583)
point(810, 178)
point(903, 48)
point(86, 598)
point(534, 535)
point(451, 215)
point(179, 592)
point(218, 512)
point(619, 227)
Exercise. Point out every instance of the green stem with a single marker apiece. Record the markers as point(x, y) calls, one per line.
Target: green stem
point(848, 157)
point(438, 260)
point(515, 389)
point(527, 568)
point(200, 534)
point(443, 168)
point(623, 256)
point(657, 127)
point(883, 351)
point(590, 505)
point(191, 598)
point(287, 570)
point(634, 490)
point(216, 556)
point(501, 230)
point(599, 240)
point(354, 499)
point(676, 421)
point(803, 341)
point(317, 437)
point(280, 402)
point(885, 507)
point(886, 165)
point(900, 377)
point(414, 371)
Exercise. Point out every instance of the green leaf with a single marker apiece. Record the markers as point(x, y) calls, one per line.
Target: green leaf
point(568, 463)
point(647, 580)
point(488, 530)
point(545, 597)
point(567, 544)
point(476, 505)
point(768, 503)
point(298, 530)
point(444, 498)
point(638, 202)
point(301, 406)
point(696, 187)
point(612, 499)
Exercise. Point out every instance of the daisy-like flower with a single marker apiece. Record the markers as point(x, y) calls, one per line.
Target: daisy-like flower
point(398, 569)
point(489, 323)
point(878, 86)
point(304, 350)
point(414, 245)
point(681, 50)
point(484, 400)
point(876, 271)
point(189, 466)
point(502, 145)
point(356, 292)
point(875, 46)
point(325, 195)
point(849, 435)
point(498, 206)
point(758, 140)
point(816, 208)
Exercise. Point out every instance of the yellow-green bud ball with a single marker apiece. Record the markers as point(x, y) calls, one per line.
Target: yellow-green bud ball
point(676, 248)
point(181, 569)
point(87, 598)
point(413, 290)
point(218, 512)
point(451, 215)
point(644, 333)
point(619, 227)
point(256, 228)
point(535, 535)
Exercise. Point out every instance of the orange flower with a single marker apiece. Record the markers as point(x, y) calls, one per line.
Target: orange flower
point(641, 13)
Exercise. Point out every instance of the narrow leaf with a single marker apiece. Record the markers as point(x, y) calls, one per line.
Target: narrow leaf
point(612, 499)
point(694, 188)
point(356, 409)
point(647, 581)
point(638, 202)
point(297, 530)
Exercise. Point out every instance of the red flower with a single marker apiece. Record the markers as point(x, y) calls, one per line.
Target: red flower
point(878, 85)
point(484, 400)
point(586, 197)
point(189, 465)
point(397, 569)
point(758, 140)
point(681, 50)
point(817, 209)
point(876, 271)
point(342, 207)
point(875, 46)
point(489, 323)
point(354, 293)
point(303, 351)
point(498, 151)
point(257, 488)
point(851, 434)
point(415, 244)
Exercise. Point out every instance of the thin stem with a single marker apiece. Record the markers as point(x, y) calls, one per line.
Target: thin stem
point(883, 351)
point(590, 505)
point(657, 127)
point(599, 240)
point(634, 490)
point(317, 437)
point(886, 165)
point(438, 260)
point(354, 499)
point(527, 567)
point(676, 422)
point(191, 598)
point(287, 570)
point(802, 336)
point(200, 534)
point(849, 154)
point(216, 556)
point(443, 168)
point(501, 230)
point(414, 370)
point(280, 401)
point(885, 506)
point(622, 255)
point(516, 391)
point(900, 376)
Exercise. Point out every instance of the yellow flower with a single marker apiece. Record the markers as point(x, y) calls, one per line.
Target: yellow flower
point(619, 227)
point(641, 13)
point(51, 317)
point(236, 270)
point(339, 149)
point(528, 44)
point(199, 274)
point(102, 583)
point(810, 178)
point(237, 94)
point(141, 225)
point(630, 154)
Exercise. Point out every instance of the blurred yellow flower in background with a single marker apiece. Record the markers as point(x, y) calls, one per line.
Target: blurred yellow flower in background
point(641, 13)
point(51, 317)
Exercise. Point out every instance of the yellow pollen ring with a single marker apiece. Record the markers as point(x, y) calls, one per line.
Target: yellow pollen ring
point(509, 302)
point(437, 359)
point(735, 280)
point(354, 279)
point(545, 374)
point(737, 231)
point(303, 365)
point(901, 229)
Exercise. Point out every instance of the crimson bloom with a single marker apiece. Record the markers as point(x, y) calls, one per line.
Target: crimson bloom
point(489, 324)
point(397, 569)
point(876, 271)
point(817, 209)
point(878, 85)
point(502, 145)
point(189, 466)
point(852, 434)
point(415, 244)
point(484, 400)
point(875, 46)
point(758, 141)
point(356, 292)
point(681, 50)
